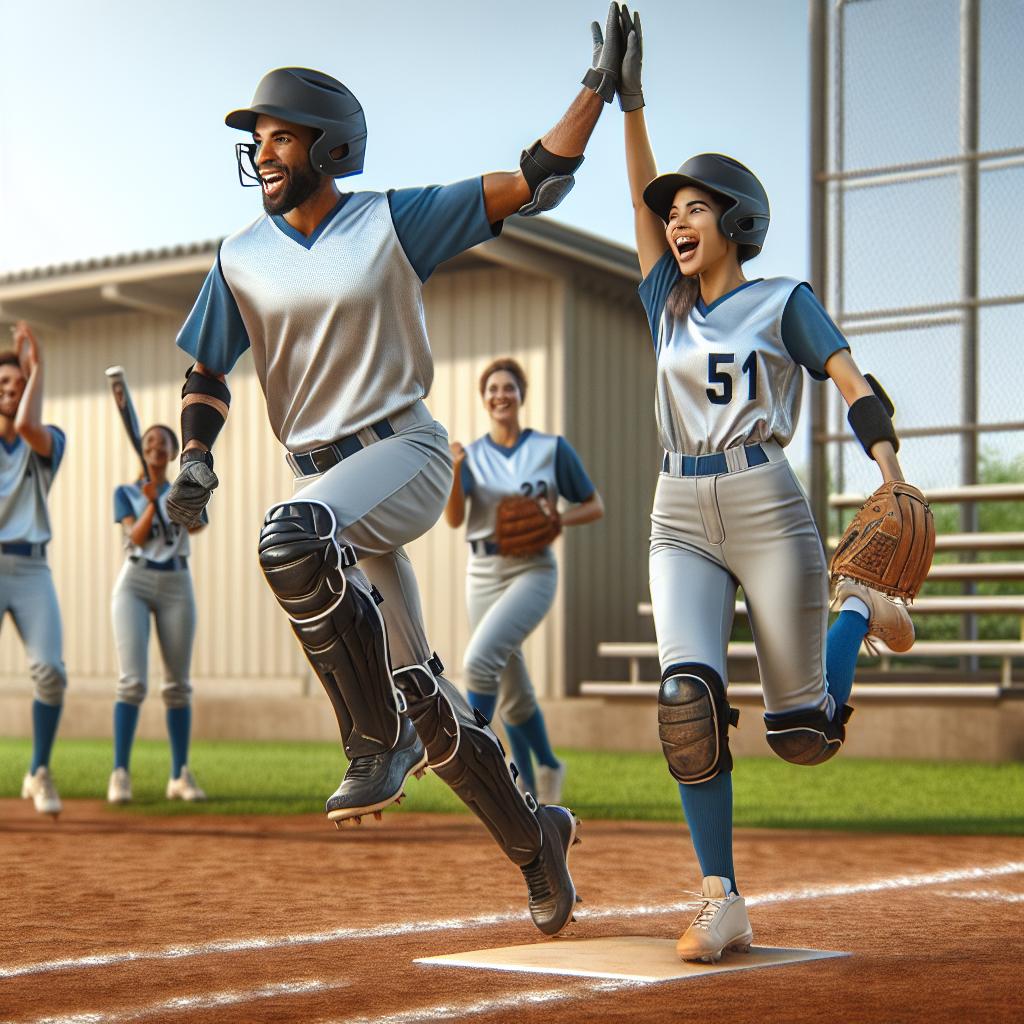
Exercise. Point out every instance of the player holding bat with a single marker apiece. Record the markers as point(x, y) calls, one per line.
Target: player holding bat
point(30, 455)
point(155, 583)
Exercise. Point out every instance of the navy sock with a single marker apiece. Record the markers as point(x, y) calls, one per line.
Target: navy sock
point(841, 646)
point(536, 734)
point(708, 810)
point(521, 757)
point(45, 718)
point(485, 703)
point(126, 718)
point(179, 729)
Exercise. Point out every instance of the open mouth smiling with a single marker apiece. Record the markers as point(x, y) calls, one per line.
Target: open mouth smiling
point(273, 182)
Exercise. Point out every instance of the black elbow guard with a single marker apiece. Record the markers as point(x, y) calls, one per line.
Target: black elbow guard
point(871, 422)
point(205, 408)
point(549, 176)
point(880, 392)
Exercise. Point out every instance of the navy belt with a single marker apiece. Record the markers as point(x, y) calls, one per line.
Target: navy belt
point(715, 463)
point(24, 549)
point(483, 547)
point(171, 565)
point(319, 460)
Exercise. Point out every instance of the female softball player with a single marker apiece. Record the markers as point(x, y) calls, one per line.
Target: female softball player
point(728, 510)
point(154, 582)
point(30, 455)
point(508, 595)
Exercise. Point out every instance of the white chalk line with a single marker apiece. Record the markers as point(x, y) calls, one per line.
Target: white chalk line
point(986, 894)
point(209, 1001)
point(398, 929)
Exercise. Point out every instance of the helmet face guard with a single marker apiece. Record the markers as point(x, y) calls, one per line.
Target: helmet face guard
point(315, 100)
point(746, 215)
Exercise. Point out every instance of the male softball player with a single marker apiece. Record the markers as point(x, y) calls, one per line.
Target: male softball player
point(325, 289)
point(30, 455)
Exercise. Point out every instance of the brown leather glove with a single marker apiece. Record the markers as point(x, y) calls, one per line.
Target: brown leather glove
point(525, 527)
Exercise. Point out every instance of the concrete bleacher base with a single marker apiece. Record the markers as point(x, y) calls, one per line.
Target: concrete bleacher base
point(985, 729)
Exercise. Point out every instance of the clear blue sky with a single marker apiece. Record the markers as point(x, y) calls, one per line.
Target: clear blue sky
point(111, 112)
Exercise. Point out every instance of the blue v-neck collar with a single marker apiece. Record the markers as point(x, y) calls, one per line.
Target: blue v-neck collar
point(704, 310)
point(509, 452)
point(12, 447)
point(297, 236)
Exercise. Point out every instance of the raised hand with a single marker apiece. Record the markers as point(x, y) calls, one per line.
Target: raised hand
point(603, 75)
point(631, 94)
point(26, 347)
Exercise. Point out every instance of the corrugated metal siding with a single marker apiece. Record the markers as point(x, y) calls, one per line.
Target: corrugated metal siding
point(610, 421)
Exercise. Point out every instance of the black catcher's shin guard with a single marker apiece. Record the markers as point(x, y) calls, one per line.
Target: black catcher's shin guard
point(344, 637)
point(469, 758)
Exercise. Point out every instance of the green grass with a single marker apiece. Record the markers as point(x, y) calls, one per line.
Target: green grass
point(295, 778)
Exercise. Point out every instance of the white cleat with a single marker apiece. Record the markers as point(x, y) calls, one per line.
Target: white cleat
point(720, 924)
point(184, 787)
point(119, 788)
point(549, 784)
point(39, 788)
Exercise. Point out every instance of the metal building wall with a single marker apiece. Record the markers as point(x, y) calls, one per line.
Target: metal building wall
point(610, 421)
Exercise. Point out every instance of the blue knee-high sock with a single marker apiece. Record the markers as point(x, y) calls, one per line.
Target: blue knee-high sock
point(179, 729)
point(841, 646)
point(126, 718)
point(708, 810)
point(45, 718)
point(521, 757)
point(536, 734)
point(485, 703)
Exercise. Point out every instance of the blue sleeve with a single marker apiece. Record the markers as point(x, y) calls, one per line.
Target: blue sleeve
point(440, 221)
point(655, 288)
point(57, 451)
point(122, 504)
point(214, 334)
point(573, 483)
point(808, 332)
point(466, 476)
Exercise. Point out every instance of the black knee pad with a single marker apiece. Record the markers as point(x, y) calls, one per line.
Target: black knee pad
point(693, 722)
point(807, 737)
point(302, 559)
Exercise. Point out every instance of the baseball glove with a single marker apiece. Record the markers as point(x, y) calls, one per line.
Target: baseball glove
point(525, 527)
point(890, 542)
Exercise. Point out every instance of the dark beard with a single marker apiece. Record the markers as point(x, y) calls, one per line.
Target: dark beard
point(299, 186)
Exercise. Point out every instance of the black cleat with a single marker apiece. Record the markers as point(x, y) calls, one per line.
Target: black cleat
point(376, 781)
point(552, 894)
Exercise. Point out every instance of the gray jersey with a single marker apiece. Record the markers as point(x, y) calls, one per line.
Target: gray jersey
point(25, 480)
point(335, 320)
point(540, 465)
point(726, 377)
point(160, 545)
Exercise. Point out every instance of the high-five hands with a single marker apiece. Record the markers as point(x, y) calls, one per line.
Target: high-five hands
point(603, 76)
point(631, 94)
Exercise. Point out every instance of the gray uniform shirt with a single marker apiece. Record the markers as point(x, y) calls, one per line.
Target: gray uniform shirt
point(159, 546)
point(335, 320)
point(25, 480)
point(538, 465)
point(731, 373)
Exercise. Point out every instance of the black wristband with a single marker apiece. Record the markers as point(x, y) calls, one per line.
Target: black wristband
point(197, 383)
point(196, 455)
point(871, 423)
point(880, 392)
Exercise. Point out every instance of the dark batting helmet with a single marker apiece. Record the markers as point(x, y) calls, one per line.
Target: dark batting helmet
point(745, 217)
point(315, 100)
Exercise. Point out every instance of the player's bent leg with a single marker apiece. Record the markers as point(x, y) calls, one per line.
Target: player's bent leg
point(465, 754)
point(693, 722)
point(807, 736)
point(344, 637)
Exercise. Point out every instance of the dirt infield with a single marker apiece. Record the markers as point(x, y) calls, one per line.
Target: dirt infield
point(117, 918)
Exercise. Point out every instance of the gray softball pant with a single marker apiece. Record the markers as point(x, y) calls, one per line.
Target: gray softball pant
point(385, 495)
point(506, 598)
point(27, 592)
point(139, 593)
point(754, 529)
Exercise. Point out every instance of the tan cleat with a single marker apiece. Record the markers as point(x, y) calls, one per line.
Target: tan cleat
point(720, 924)
point(39, 788)
point(119, 788)
point(184, 787)
point(890, 621)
